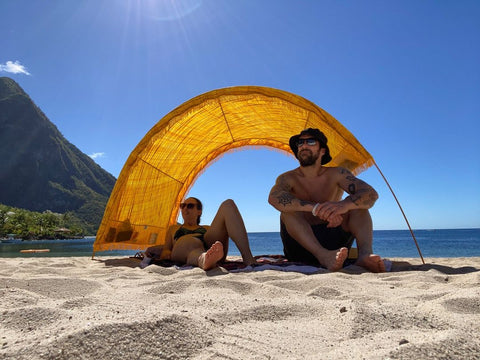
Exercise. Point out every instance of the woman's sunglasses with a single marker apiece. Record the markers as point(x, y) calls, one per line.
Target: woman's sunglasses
point(188, 205)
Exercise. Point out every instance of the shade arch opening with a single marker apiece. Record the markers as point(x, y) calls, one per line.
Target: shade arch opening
point(164, 165)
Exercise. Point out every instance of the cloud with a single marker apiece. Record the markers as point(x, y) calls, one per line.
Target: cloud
point(14, 68)
point(97, 155)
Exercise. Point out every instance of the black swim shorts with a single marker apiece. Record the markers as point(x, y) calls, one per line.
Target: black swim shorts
point(329, 238)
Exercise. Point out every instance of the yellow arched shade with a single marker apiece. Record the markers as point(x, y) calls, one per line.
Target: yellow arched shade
point(164, 165)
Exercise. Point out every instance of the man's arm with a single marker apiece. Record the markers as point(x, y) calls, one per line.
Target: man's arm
point(282, 199)
point(362, 195)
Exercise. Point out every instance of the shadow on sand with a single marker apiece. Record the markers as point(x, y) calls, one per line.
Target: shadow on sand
point(397, 266)
point(448, 270)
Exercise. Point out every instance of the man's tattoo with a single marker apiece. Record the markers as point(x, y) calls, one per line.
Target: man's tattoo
point(352, 188)
point(355, 199)
point(370, 201)
point(285, 198)
point(358, 190)
point(282, 181)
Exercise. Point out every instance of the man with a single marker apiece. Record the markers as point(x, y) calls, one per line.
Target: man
point(317, 226)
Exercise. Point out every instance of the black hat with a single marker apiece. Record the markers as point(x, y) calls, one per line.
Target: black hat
point(317, 134)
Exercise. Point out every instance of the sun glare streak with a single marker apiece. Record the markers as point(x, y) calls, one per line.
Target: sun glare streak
point(171, 10)
point(156, 35)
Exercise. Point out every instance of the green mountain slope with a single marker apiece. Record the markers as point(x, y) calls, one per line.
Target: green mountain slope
point(39, 169)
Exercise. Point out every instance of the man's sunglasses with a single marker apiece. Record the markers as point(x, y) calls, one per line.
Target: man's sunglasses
point(188, 206)
point(309, 142)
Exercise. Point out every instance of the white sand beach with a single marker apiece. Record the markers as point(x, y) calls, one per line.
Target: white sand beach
point(109, 308)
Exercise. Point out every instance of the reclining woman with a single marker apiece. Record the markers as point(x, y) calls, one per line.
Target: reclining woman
point(202, 245)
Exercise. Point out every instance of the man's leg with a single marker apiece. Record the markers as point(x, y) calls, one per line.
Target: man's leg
point(301, 231)
point(227, 223)
point(359, 223)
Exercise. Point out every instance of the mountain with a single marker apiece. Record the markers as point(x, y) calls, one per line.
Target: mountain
point(39, 169)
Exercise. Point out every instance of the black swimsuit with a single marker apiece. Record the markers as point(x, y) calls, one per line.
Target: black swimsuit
point(198, 232)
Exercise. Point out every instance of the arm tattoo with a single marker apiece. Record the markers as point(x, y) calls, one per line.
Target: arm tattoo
point(354, 199)
point(285, 198)
point(347, 173)
point(360, 193)
point(370, 201)
point(367, 199)
point(352, 188)
point(351, 178)
point(282, 181)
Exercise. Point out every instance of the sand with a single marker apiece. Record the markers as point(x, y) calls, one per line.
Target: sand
point(109, 308)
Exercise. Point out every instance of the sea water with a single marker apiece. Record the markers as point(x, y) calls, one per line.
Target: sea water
point(386, 243)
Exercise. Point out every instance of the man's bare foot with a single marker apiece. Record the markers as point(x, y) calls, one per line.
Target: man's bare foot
point(336, 258)
point(372, 262)
point(209, 258)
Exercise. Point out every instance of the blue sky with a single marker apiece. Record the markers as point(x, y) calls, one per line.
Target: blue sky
point(402, 76)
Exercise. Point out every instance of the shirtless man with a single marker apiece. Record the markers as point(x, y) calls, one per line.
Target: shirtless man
point(316, 225)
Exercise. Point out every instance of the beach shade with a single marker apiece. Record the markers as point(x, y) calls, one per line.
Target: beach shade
point(164, 165)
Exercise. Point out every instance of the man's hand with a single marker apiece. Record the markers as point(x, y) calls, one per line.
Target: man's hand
point(334, 221)
point(332, 211)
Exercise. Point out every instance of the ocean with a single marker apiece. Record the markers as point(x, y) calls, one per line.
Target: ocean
point(386, 243)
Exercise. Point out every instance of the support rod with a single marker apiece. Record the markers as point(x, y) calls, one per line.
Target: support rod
point(400, 206)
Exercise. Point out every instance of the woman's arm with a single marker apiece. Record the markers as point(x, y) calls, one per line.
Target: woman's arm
point(167, 248)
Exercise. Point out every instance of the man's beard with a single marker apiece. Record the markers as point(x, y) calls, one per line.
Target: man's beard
point(309, 160)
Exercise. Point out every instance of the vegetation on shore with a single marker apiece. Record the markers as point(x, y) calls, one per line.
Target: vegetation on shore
point(43, 172)
point(29, 225)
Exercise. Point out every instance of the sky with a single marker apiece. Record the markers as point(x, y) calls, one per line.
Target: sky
point(402, 76)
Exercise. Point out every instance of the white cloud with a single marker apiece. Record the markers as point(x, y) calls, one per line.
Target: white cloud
point(14, 67)
point(97, 155)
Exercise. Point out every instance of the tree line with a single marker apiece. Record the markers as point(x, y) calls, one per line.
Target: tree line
point(30, 225)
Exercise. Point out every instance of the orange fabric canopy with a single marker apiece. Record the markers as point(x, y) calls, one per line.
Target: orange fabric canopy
point(164, 165)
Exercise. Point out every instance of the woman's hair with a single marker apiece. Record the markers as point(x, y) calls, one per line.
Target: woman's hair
point(199, 207)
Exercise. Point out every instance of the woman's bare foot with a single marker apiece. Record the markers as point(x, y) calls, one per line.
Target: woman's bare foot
point(372, 262)
point(209, 258)
point(249, 261)
point(335, 259)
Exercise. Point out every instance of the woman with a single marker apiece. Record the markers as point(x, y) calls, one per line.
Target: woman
point(202, 245)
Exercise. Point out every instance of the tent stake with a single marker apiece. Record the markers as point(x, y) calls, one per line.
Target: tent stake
point(400, 206)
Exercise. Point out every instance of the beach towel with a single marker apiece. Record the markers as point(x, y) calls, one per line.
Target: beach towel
point(264, 262)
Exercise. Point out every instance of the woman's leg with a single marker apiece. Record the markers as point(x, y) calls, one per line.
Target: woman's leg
point(209, 258)
point(227, 223)
point(189, 250)
point(154, 251)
